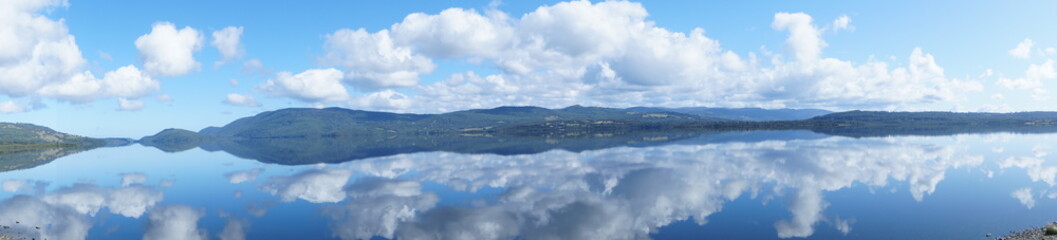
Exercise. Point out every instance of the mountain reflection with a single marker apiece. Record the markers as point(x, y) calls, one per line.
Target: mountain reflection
point(780, 184)
point(617, 193)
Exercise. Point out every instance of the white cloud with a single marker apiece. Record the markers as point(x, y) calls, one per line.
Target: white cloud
point(234, 230)
point(313, 85)
point(227, 43)
point(41, 59)
point(129, 82)
point(167, 51)
point(455, 32)
point(624, 193)
point(1024, 196)
point(610, 54)
point(13, 185)
point(63, 214)
point(383, 100)
point(807, 210)
point(1023, 49)
point(241, 100)
point(1045, 71)
point(372, 60)
point(1051, 50)
point(129, 105)
point(804, 40)
point(841, 23)
point(1035, 170)
point(129, 201)
point(243, 176)
point(1033, 77)
point(377, 206)
point(234, 82)
point(313, 185)
point(37, 51)
point(174, 222)
point(132, 178)
point(11, 107)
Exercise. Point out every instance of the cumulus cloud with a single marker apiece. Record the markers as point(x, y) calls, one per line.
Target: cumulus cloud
point(64, 213)
point(131, 201)
point(625, 193)
point(243, 176)
point(234, 230)
point(377, 206)
point(227, 43)
point(41, 59)
point(11, 107)
point(1023, 49)
point(807, 210)
point(314, 85)
point(610, 54)
point(313, 185)
point(133, 178)
point(174, 222)
point(125, 104)
point(168, 51)
point(1033, 79)
point(841, 23)
point(804, 39)
point(241, 100)
point(1024, 196)
point(383, 100)
point(62, 222)
point(37, 51)
point(455, 32)
point(125, 82)
point(372, 60)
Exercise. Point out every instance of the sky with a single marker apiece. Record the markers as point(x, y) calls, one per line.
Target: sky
point(129, 69)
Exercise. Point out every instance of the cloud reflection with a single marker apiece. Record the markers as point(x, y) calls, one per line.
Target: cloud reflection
point(64, 213)
point(622, 193)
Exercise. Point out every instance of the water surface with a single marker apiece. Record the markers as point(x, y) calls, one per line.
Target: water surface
point(735, 185)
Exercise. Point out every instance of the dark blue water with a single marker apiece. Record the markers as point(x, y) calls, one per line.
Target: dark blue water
point(766, 186)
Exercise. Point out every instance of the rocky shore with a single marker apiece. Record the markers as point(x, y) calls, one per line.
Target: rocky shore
point(1049, 232)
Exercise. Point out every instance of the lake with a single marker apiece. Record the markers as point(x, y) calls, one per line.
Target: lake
point(729, 185)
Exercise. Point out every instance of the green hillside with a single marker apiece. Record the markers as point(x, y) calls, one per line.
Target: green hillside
point(334, 122)
point(23, 136)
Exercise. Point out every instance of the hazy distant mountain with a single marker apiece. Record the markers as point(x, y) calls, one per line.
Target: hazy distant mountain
point(742, 114)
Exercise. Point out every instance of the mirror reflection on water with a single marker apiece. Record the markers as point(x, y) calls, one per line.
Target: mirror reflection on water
point(744, 185)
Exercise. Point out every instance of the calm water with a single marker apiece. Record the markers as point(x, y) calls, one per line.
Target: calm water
point(748, 185)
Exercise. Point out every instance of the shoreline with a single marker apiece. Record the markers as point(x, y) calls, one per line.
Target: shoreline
point(1033, 233)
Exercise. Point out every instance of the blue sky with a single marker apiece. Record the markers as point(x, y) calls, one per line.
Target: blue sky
point(128, 69)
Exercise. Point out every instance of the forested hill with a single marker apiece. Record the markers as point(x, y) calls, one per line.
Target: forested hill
point(23, 136)
point(927, 118)
point(578, 121)
point(307, 122)
point(742, 114)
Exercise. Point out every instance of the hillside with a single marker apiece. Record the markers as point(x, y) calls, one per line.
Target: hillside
point(24, 146)
point(174, 140)
point(23, 136)
point(332, 122)
point(743, 114)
